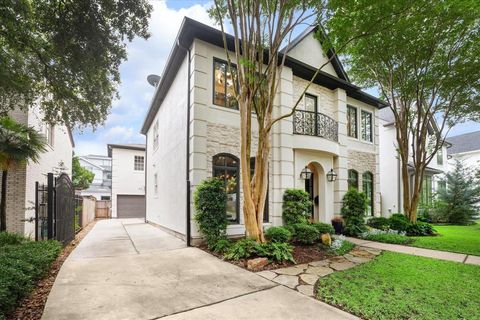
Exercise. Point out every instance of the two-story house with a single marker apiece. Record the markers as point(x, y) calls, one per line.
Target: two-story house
point(101, 167)
point(465, 148)
point(192, 130)
point(390, 168)
point(57, 158)
point(128, 180)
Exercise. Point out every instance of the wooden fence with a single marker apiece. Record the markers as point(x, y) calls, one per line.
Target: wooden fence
point(103, 209)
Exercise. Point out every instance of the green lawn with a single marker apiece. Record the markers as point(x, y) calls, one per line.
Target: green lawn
point(462, 239)
point(399, 286)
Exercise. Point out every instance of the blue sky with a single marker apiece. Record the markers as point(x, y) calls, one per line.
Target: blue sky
point(146, 57)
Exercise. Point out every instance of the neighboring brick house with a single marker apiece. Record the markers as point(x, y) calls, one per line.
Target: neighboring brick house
point(335, 128)
point(21, 180)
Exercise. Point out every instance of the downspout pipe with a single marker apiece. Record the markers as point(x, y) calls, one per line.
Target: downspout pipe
point(187, 167)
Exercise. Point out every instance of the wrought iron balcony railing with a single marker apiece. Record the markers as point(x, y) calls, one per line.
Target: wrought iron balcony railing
point(315, 124)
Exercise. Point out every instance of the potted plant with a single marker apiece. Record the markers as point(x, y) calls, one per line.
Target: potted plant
point(337, 223)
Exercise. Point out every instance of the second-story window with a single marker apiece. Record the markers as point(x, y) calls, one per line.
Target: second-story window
point(366, 126)
point(440, 157)
point(223, 85)
point(310, 103)
point(155, 135)
point(139, 163)
point(352, 122)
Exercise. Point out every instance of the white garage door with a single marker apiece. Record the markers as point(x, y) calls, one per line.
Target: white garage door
point(130, 206)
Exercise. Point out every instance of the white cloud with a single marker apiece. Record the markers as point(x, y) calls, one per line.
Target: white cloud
point(144, 57)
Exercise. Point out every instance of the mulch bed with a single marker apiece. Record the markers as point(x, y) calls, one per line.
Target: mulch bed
point(301, 254)
point(31, 308)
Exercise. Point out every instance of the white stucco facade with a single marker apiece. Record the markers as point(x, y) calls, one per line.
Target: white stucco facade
point(126, 178)
point(215, 130)
point(101, 167)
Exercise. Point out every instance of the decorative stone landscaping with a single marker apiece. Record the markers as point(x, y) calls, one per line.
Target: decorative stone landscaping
point(303, 277)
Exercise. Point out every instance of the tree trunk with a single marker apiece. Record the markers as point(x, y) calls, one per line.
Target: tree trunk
point(3, 204)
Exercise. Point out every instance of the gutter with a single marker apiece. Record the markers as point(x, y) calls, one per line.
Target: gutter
point(187, 160)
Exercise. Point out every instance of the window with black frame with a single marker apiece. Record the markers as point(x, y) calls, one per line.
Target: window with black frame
point(352, 179)
point(226, 167)
point(352, 122)
point(367, 126)
point(367, 188)
point(252, 170)
point(224, 82)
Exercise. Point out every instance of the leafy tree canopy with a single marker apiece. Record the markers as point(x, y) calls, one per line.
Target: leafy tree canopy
point(81, 177)
point(66, 55)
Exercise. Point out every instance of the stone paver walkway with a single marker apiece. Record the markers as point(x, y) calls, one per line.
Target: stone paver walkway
point(303, 277)
point(429, 253)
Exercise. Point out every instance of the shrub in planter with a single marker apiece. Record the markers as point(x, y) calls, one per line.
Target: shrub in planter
point(296, 206)
point(420, 229)
point(399, 222)
point(306, 233)
point(323, 228)
point(210, 202)
point(337, 223)
point(244, 248)
point(353, 211)
point(380, 223)
point(278, 234)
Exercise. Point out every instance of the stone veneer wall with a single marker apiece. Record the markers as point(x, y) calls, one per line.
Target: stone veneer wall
point(16, 185)
point(325, 97)
point(362, 162)
point(222, 138)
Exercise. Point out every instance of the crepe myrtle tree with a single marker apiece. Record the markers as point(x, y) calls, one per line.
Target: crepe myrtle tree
point(260, 30)
point(426, 67)
point(65, 55)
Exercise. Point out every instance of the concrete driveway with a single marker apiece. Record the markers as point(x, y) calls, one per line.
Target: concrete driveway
point(127, 269)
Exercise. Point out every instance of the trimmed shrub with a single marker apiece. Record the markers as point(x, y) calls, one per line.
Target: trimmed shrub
point(399, 222)
point(221, 246)
point(389, 238)
point(323, 228)
point(353, 211)
point(243, 249)
point(296, 206)
point(380, 223)
point(22, 263)
point(278, 234)
point(306, 233)
point(420, 229)
point(210, 202)
point(277, 251)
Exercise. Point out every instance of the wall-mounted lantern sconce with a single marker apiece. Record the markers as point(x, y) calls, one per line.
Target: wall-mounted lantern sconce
point(306, 174)
point(331, 175)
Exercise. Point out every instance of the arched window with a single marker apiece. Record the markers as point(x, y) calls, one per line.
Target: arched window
point(352, 179)
point(367, 188)
point(252, 170)
point(226, 167)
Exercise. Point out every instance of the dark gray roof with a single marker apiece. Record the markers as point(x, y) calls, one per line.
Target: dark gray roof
point(464, 142)
point(386, 114)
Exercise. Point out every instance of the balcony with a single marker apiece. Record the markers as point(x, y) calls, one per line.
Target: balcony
point(315, 124)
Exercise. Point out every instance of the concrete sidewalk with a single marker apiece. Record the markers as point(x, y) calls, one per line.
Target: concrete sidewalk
point(436, 254)
point(126, 269)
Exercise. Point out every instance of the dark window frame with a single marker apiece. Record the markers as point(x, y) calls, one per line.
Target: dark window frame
point(234, 66)
point(349, 131)
point(135, 163)
point(237, 187)
point(311, 96)
point(349, 180)
point(363, 129)
point(368, 176)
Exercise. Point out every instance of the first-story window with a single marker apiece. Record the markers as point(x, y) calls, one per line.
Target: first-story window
point(224, 82)
point(139, 163)
point(352, 122)
point(252, 171)
point(426, 193)
point(352, 179)
point(226, 167)
point(366, 126)
point(367, 188)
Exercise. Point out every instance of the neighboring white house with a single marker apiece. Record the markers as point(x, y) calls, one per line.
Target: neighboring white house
point(192, 113)
point(390, 168)
point(128, 180)
point(466, 148)
point(21, 180)
point(101, 167)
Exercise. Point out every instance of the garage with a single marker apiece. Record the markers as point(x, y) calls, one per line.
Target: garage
point(130, 206)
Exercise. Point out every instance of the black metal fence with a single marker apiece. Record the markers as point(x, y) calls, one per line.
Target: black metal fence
point(55, 209)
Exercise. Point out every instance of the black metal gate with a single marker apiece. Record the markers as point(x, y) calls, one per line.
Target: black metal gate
point(55, 209)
